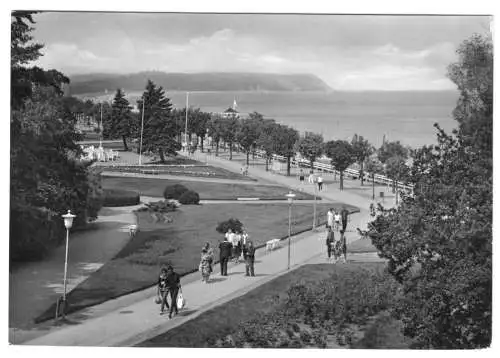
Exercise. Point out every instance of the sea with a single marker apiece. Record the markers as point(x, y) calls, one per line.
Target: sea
point(404, 116)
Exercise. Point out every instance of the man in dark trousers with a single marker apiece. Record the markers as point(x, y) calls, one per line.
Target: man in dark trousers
point(225, 251)
point(249, 255)
point(345, 216)
point(330, 239)
point(173, 283)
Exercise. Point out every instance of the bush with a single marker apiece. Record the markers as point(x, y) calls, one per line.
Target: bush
point(118, 197)
point(189, 197)
point(234, 224)
point(174, 191)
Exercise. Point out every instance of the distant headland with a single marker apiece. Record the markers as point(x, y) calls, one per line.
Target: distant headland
point(206, 81)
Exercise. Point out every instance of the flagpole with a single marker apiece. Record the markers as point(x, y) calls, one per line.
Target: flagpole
point(142, 130)
point(100, 138)
point(186, 125)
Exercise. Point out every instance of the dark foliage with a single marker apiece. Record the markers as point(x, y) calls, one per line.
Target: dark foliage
point(119, 197)
point(174, 191)
point(189, 197)
point(234, 224)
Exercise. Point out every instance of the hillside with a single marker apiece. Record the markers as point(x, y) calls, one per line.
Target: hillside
point(96, 83)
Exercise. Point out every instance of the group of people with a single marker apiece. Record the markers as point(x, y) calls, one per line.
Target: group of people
point(337, 246)
point(312, 179)
point(236, 246)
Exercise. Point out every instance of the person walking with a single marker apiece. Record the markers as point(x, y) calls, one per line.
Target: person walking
point(225, 249)
point(162, 291)
point(345, 217)
point(329, 219)
point(336, 217)
point(343, 243)
point(301, 177)
point(173, 283)
point(249, 255)
point(330, 241)
point(320, 182)
point(205, 264)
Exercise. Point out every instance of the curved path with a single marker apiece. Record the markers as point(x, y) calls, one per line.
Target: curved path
point(88, 251)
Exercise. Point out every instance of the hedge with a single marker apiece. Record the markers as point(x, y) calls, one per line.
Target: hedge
point(119, 197)
point(174, 191)
point(189, 197)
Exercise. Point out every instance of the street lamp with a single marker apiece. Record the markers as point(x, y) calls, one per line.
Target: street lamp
point(142, 130)
point(315, 195)
point(68, 223)
point(186, 123)
point(290, 196)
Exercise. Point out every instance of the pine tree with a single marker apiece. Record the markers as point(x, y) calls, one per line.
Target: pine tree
point(159, 126)
point(123, 122)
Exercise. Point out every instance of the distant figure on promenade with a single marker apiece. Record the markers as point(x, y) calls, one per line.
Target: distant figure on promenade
point(320, 182)
point(311, 177)
point(206, 263)
point(249, 255)
point(301, 177)
point(337, 220)
point(225, 249)
point(343, 245)
point(329, 218)
point(162, 291)
point(330, 241)
point(345, 217)
point(173, 285)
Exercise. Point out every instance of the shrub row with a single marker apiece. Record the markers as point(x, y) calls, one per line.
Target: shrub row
point(119, 197)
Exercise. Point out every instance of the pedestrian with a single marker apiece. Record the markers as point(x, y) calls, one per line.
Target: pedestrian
point(301, 177)
point(249, 254)
point(337, 220)
point(343, 241)
point(205, 265)
point(311, 177)
point(329, 219)
point(330, 241)
point(345, 217)
point(225, 248)
point(320, 182)
point(173, 283)
point(162, 291)
point(244, 240)
point(236, 247)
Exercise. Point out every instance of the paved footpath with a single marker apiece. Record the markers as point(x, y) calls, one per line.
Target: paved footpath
point(115, 324)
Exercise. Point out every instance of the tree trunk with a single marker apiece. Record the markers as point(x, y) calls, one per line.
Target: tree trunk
point(267, 163)
point(342, 180)
point(162, 156)
point(125, 143)
point(190, 138)
point(393, 186)
point(362, 174)
point(373, 187)
point(248, 157)
point(202, 138)
point(288, 164)
point(217, 148)
point(312, 164)
point(231, 151)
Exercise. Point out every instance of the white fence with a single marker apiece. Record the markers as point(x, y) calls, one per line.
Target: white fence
point(330, 169)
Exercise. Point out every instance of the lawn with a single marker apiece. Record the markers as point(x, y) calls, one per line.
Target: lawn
point(262, 305)
point(206, 190)
point(179, 243)
point(185, 168)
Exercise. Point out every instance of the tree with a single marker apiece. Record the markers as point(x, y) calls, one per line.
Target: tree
point(248, 134)
point(228, 130)
point(310, 146)
point(201, 125)
point(362, 149)
point(122, 121)
point(341, 155)
point(26, 81)
point(373, 166)
point(268, 139)
point(391, 149)
point(438, 242)
point(159, 126)
point(286, 139)
point(396, 169)
point(215, 131)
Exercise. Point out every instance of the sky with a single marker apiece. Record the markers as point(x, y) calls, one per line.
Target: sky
point(348, 52)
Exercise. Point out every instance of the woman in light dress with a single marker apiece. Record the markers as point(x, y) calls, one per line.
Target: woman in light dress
point(207, 258)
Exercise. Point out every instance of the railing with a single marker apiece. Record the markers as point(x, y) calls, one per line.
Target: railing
point(330, 169)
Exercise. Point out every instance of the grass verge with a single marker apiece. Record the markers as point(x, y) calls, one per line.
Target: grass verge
point(206, 190)
point(136, 266)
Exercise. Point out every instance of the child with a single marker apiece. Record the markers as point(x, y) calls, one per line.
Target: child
point(162, 289)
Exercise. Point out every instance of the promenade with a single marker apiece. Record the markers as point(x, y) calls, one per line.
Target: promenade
point(134, 318)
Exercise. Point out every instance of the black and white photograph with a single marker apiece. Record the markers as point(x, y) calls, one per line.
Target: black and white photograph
point(206, 179)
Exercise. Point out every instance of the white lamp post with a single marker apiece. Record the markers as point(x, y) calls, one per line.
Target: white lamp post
point(142, 130)
point(290, 196)
point(68, 223)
